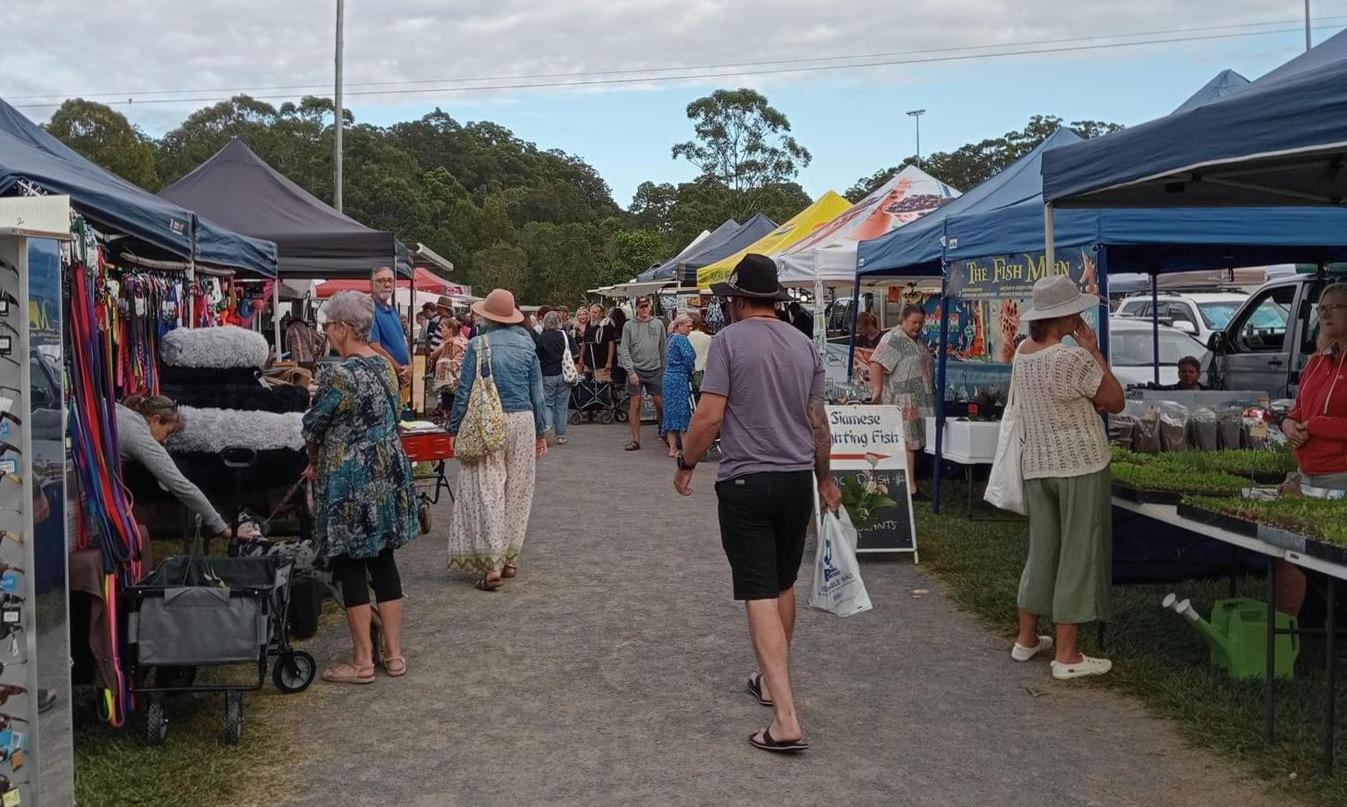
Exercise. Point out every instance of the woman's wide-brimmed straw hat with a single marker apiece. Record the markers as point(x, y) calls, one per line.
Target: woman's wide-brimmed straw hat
point(499, 307)
point(1058, 296)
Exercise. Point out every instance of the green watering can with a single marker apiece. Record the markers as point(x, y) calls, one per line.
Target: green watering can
point(1237, 636)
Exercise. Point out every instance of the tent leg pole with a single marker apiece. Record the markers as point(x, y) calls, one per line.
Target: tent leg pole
point(191, 294)
point(1049, 238)
point(938, 466)
point(276, 313)
point(855, 315)
point(1155, 327)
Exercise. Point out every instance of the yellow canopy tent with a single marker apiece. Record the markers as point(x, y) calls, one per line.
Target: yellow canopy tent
point(824, 209)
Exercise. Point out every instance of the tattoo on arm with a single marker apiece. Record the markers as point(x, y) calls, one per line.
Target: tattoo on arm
point(823, 438)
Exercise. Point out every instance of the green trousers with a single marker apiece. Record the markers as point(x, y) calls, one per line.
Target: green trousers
point(1068, 575)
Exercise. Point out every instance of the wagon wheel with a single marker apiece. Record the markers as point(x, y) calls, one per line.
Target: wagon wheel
point(156, 721)
point(233, 727)
point(423, 517)
point(574, 419)
point(621, 416)
point(294, 671)
point(606, 417)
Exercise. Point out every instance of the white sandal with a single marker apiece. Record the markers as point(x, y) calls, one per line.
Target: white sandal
point(1087, 666)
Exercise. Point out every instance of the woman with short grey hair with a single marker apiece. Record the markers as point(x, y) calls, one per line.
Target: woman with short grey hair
point(552, 347)
point(364, 499)
point(354, 309)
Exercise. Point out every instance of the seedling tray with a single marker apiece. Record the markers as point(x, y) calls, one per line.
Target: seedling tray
point(1223, 521)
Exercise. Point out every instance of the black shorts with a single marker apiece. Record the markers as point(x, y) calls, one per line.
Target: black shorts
point(763, 518)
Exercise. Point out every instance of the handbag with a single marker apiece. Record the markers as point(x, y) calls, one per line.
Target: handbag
point(1005, 484)
point(569, 373)
point(482, 430)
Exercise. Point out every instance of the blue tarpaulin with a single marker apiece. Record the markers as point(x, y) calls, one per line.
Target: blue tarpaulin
point(30, 153)
point(1282, 140)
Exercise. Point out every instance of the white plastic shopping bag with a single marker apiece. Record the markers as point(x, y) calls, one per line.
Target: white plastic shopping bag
point(837, 575)
point(1005, 483)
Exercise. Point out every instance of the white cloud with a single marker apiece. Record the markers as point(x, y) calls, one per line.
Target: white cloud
point(73, 47)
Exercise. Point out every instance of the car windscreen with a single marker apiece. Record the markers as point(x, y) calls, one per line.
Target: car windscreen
point(1217, 315)
point(1135, 348)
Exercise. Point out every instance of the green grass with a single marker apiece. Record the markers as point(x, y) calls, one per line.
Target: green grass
point(1156, 657)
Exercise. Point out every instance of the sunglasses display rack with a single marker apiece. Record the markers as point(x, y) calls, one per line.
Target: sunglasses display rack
point(36, 736)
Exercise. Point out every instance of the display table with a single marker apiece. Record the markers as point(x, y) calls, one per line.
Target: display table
point(968, 443)
point(1168, 514)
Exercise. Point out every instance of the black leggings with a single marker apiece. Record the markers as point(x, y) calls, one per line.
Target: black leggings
point(356, 575)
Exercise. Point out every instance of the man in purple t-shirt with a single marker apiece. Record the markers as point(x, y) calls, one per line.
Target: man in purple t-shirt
point(763, 392)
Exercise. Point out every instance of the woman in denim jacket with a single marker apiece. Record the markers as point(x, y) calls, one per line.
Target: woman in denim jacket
point(493, 497)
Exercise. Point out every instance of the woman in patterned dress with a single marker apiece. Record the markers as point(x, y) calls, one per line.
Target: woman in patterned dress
point(680, 362)
point(900, 372)
point(493, 496)
point(363, 492)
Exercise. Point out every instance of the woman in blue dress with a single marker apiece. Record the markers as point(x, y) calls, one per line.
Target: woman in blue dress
point(364, 499)
point(680, 361)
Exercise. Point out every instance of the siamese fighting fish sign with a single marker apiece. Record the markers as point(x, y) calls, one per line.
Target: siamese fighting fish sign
point(869, 436)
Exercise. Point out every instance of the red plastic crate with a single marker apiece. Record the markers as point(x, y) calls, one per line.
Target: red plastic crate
point(428, 446)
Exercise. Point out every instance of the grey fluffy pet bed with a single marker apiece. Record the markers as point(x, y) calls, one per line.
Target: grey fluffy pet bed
point(214, 430)
point(214, 348)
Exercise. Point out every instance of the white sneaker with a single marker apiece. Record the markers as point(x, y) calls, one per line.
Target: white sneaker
point(1085, 667)
point(1021, 653)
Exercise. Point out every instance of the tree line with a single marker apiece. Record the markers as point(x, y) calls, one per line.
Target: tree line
point(508, 213)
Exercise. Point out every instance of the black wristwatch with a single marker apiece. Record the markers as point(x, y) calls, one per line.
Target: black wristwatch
point(683, 466)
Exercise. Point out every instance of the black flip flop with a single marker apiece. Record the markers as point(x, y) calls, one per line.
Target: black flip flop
point(755, 687)
point(633, 446)
point(768, 744)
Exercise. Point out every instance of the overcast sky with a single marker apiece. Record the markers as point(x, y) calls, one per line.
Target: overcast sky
point(851, 119)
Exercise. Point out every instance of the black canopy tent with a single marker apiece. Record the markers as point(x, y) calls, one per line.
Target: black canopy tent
point(238, 189)
point(313, 240)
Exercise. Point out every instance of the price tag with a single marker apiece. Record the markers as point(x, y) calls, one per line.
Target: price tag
point(11, 798)
point(11, 615)
point(1258, 429)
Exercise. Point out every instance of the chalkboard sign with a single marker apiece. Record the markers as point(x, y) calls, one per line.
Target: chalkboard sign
point(893, 529)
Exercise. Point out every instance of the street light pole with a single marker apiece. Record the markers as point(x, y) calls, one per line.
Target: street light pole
point(916, 114)
point(1308, 43)
point(336, 138)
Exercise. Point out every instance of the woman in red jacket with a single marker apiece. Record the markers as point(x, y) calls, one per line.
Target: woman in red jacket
point(1317, 425)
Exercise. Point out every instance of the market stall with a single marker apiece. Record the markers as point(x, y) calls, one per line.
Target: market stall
point(796, 229)
point(713, 250)
point(1237, 153)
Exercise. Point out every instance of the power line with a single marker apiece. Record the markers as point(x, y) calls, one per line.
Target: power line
point(648, 79)
point(720, 66)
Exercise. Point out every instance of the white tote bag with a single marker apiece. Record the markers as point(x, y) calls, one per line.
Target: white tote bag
point(837, 584)
point(569, 373)
point(1005, 485)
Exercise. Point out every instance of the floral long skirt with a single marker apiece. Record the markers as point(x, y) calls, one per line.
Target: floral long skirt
point(492, 502)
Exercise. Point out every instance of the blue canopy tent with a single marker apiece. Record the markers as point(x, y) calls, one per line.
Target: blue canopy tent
point(669, 269)
point(1226, 83)
point(29, 153)
point(708, 253)
point(1280, 141)
point(1009, 221)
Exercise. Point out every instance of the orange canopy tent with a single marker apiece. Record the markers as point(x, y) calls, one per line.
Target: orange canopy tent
point(423, 280)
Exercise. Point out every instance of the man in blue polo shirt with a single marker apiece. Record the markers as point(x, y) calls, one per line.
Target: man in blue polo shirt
point(386, 336)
